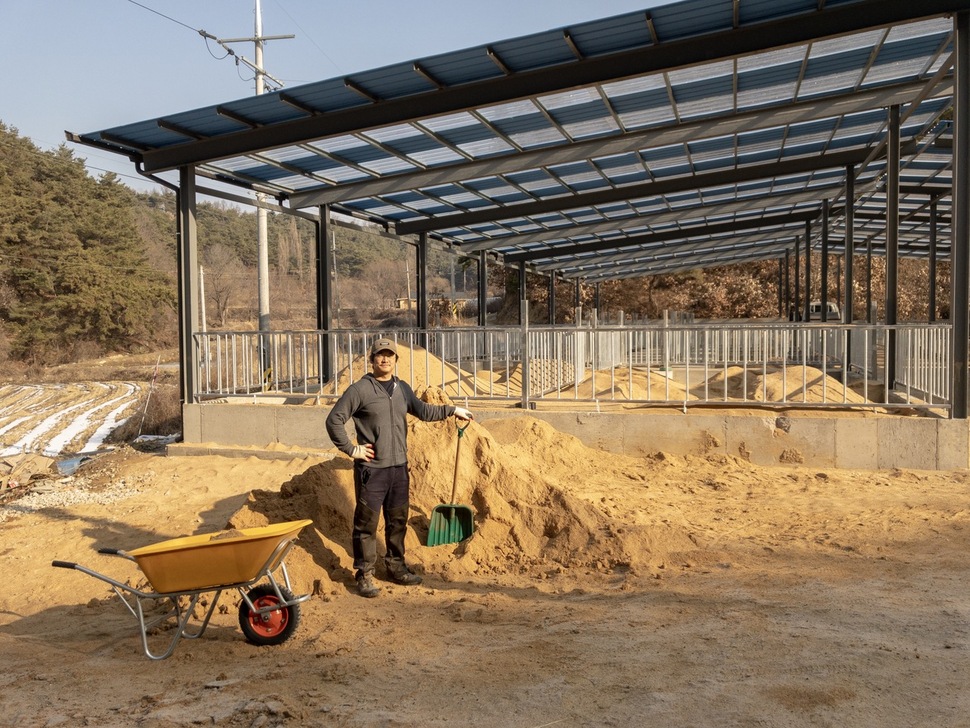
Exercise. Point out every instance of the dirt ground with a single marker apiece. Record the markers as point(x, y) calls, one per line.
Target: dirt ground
point(597, 590)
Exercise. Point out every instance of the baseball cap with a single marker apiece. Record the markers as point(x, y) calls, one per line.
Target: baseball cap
point(383, 345)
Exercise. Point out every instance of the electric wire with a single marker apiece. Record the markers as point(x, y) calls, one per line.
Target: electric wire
point(152, 10)
point(308, 37)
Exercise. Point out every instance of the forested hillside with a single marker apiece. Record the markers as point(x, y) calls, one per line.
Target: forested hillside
point(74, 277)
point(87, 267)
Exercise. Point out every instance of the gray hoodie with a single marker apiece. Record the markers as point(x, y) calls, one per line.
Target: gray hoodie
point(380, 420)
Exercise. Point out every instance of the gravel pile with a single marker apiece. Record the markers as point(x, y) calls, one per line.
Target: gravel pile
point(64, 493)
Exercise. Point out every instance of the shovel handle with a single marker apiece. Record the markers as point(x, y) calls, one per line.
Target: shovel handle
point(454, 482)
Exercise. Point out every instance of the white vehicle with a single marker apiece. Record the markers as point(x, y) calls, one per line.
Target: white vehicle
point(815, 311)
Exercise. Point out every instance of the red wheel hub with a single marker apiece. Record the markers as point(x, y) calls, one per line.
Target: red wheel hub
point(272, 623)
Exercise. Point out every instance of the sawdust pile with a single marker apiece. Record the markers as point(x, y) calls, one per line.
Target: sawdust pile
point(535, 494)
point(626, 383)
point(803, 384)
point(794, 384)
point(422, 368)
point(556, 379)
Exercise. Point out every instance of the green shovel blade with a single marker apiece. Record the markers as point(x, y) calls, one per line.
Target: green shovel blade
point(450, 523)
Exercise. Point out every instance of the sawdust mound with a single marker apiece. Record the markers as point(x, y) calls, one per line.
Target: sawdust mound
point(626, 383)
point(803, 384)
point(519, 476)
point(728, 383)
point(793, 385)
point(422, 368)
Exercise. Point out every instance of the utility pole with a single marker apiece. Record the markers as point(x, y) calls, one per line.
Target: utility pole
point(262, 242)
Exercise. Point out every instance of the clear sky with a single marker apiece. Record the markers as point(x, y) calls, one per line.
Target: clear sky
point(84, 65)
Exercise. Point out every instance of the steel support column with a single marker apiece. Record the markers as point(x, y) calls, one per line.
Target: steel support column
point(781, 284)
point(798, 280)
point(552, 299)
point(960, 253)
point(421, 291)
point(838, 282)
point(892, 244)
point(325, 283)
point(931, 313)
point(522, 292)
point(808, 271)
point(188, 292)
point(482, 289)
point(869, 280)
point(786, 311)
point(848, 315)
point(824, 298)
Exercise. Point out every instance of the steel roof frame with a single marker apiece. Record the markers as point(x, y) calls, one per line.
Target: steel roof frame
point(601, 135)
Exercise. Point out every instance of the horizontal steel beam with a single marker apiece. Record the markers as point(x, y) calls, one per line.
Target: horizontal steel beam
point(796, 29)
point(733, 175)
point(688, 262)
point(720, 245)
point(631, 143)
point(654, 239)
point(759, 203)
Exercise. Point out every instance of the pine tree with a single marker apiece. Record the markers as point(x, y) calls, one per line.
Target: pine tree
point(72, 271)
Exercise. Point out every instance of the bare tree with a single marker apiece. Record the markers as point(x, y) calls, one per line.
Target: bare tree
point(387, 279)
point(224, 272)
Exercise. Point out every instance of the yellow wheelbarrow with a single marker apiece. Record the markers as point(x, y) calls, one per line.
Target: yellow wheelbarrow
point(214, 562)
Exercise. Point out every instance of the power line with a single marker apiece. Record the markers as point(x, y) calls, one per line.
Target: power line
point(240, 60)
point(152, 10)
point(207, 37)
point(308, 36)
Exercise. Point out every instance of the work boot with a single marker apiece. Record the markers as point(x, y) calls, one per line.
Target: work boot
point(366, 586)
point(406, 578)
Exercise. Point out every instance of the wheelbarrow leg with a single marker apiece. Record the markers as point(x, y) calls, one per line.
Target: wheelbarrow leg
point(181, 617)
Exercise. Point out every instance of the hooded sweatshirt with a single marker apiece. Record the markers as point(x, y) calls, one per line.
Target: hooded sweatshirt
point(380, 420)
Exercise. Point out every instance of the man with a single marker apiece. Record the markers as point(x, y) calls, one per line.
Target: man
point(379, 403)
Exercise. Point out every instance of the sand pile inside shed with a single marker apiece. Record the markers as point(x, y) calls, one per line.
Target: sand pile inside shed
point(792, 385)
point(624, 383)
point(528, 484)
point(728, 383)
point(803, 384)
point(423, 369)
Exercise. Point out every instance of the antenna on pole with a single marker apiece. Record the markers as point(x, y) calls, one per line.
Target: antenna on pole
point(262, 243)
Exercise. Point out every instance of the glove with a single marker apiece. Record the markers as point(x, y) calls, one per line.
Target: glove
point(363, 452)
point(463, 414)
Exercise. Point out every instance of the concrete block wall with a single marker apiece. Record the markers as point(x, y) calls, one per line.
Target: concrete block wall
point(857, 441)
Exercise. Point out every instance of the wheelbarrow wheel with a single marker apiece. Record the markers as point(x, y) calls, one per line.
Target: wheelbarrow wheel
point(271, 628)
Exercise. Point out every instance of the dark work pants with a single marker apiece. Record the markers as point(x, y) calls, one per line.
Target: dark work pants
point(379, 490)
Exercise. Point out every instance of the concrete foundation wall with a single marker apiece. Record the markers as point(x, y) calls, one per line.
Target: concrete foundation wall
point(856, 441)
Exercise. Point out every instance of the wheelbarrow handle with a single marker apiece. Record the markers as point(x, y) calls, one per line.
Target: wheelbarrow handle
point(116, 552)
point(64, 564)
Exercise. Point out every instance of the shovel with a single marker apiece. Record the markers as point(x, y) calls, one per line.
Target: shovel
point(450, 522)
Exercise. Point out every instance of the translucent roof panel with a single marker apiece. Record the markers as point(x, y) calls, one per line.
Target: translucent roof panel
point(573, 143)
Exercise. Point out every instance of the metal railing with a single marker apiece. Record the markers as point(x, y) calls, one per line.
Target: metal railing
point(810, 365)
